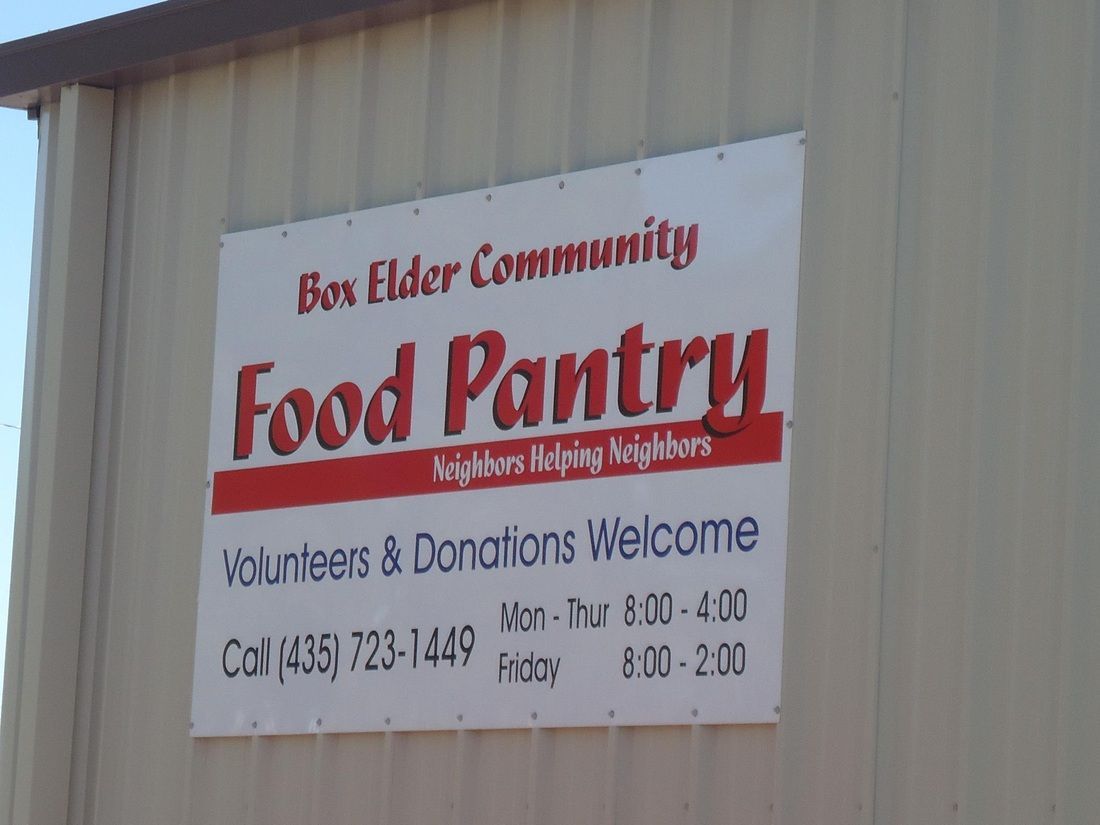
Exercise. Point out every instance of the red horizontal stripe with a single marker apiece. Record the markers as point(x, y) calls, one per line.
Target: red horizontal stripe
point(412, 472)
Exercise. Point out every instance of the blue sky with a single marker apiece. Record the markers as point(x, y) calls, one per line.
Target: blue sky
point(19, 148)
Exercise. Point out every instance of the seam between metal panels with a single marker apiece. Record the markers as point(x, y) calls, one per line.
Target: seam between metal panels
point(900, 79)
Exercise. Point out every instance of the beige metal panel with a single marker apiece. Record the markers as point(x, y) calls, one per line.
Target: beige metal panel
point(48, 583)
point(989, 635)
point(463, 69)
point(826, 747)
point(491, 759)
point(687, 58)
point(28, 470)
point(769, 49)
point(610, 81)
point(162, 262)
point(264, 105)
point(572, 776)
point(393, 114)
point(360, 763)
point(1078, 749)
point(535, 110)
point(218, 771)
point(326, 153)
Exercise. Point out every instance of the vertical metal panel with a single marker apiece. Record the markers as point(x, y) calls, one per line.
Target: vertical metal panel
point(393, 113)
point(989, 553)
point(461, 76)
point(48, 586)
point(827, 735)
point(28, 469)
point(535, 89)
point(263, 113)
point(609, 78)
point(945, 453)
point(325, 151)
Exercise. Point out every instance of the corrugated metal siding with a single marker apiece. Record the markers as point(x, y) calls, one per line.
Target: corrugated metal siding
point(993, 561)
point(940, 638)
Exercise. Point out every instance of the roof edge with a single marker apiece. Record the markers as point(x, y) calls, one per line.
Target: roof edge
point(179, 35)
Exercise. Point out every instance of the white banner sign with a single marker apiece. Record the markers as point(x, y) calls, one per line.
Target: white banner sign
point(506, 458)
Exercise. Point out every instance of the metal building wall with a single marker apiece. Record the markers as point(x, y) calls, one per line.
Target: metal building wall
point(940, 660)
point(988, 706)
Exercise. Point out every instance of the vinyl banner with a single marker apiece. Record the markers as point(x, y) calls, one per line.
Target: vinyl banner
point(504, 458)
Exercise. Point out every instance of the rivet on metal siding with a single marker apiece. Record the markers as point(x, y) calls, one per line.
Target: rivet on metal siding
point(641, 142)
point(895, 96)
point(284, 233)
point(420, 184)
point(955, 806)
point(874, 549)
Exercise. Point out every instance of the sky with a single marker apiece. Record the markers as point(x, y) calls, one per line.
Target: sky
point(19, 149)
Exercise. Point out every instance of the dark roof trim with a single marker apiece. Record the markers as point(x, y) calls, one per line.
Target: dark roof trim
point(178, 35)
